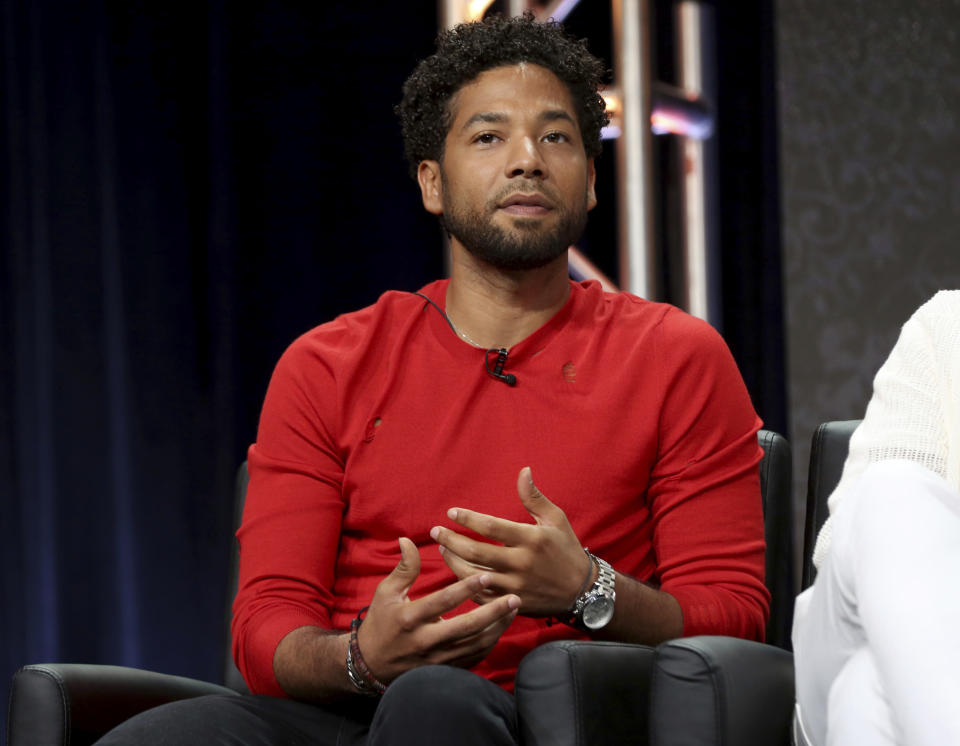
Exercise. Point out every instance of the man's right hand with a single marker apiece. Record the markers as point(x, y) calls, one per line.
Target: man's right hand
point(398, 634)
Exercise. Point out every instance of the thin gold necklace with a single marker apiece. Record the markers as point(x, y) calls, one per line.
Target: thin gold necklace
point(465, 338)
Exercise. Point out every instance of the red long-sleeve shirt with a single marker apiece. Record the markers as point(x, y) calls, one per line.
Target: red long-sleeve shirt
point(631, 414)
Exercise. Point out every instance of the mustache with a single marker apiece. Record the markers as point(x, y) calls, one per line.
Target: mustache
point(511, 189)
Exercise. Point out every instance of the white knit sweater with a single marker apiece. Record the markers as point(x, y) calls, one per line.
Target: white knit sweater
point(914, 413)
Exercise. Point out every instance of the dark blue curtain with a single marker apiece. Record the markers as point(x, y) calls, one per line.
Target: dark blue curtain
point(183, 191)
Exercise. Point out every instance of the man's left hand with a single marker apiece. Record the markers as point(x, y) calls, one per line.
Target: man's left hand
point(541, 562)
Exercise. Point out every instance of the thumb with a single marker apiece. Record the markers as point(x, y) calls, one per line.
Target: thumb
point(532, 498)
point(406, 571)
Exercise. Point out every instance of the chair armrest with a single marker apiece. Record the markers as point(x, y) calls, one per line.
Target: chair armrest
point(77, 703)
point(580, 693)
point(721, 690)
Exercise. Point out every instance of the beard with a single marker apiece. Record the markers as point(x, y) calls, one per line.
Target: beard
point(528, 246)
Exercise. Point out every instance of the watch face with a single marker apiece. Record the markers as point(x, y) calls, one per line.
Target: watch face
point(597, 612)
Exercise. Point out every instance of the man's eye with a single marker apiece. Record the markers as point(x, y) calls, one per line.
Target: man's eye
point(556, 137)
point(486, 138)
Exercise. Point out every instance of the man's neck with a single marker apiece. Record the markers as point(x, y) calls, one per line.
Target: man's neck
point(497, 308)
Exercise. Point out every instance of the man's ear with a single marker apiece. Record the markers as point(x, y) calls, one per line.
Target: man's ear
point(431, 186)
point(591, 183)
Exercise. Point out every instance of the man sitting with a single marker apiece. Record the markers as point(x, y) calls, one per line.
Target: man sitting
point(395, 540)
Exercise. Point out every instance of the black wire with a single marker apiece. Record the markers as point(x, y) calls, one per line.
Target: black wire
point(445, 317)
point(486, 357)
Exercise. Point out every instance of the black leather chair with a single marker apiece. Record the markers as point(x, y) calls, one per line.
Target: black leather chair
point(696, 690)
point(726, 691)
point(567, 693)
point(828, 451)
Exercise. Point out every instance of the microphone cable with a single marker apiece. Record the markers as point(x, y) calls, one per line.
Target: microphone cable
point(500, 352)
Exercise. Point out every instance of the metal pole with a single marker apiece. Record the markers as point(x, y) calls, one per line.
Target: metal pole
point(558, 10)
point(452, 12)
point(634, 148)
point(696, 62)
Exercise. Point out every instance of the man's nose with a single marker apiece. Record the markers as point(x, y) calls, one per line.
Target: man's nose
point(525, 159)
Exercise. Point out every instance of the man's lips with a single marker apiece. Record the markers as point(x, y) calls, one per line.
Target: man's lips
point(532, 204)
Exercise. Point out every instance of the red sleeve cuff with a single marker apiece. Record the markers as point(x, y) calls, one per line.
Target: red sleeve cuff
point(710, 611)
point(255, 650)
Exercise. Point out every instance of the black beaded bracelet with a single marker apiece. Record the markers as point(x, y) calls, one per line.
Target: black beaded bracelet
point(359, 673)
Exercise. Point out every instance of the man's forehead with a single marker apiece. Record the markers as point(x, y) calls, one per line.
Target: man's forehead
point(490, 96)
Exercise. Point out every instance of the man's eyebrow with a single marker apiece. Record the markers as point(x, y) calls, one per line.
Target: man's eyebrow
point(497, 117)
point(553, 115)
point(486, 117)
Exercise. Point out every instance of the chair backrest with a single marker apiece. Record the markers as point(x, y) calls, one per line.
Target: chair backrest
point(776, 478)
point(231, 674)
point(828, 452)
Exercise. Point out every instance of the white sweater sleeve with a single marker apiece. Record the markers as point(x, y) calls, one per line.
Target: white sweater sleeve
point(912, 411)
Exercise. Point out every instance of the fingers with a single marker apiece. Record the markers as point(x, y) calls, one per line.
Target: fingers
point(460, 567)
point(491, 527)
point(431, 607)
point(469, 651)
point(533, 499)
point(409, 557)
point(480, 554)
point(456, 648)
point(469, 635)
point(508, 533)
point(447, 599)
point(480, 626)
point(398, 582)
point(498, 584)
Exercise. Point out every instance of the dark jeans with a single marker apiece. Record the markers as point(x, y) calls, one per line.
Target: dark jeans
point(432, 704)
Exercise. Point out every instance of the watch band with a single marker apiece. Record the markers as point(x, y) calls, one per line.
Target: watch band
point(594, 609)
point(606, 580)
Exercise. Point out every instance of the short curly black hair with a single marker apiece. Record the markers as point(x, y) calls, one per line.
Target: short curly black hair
point(472, 48)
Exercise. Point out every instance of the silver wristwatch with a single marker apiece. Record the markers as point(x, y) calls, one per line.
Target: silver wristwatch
point(594, 608)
